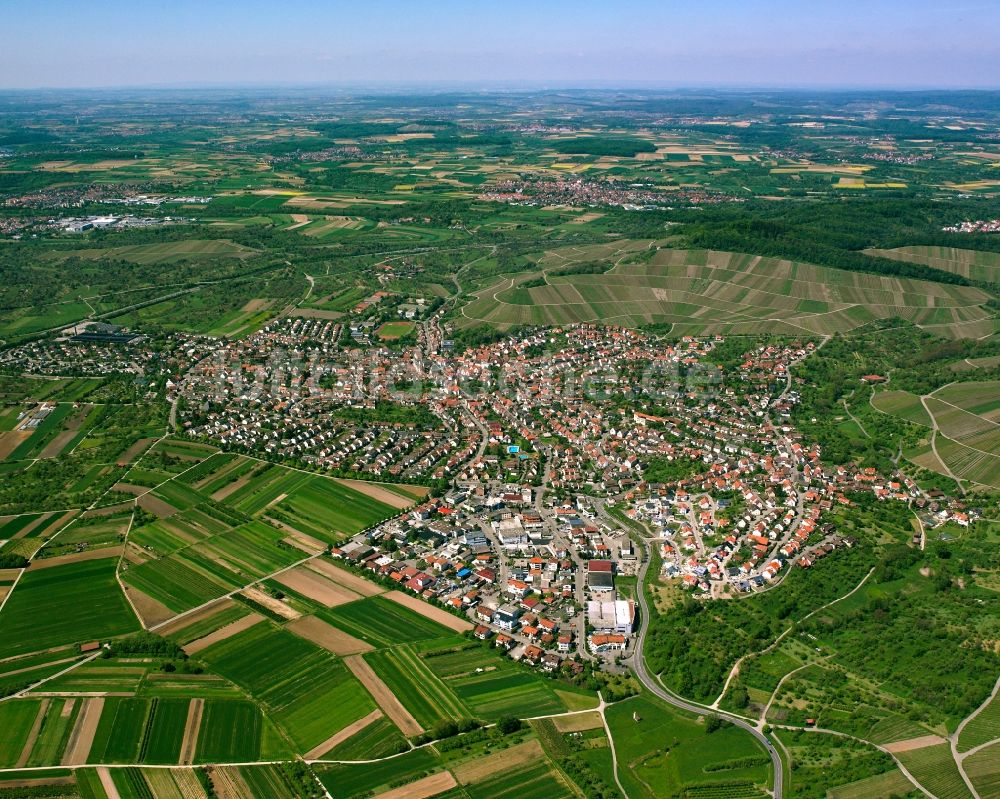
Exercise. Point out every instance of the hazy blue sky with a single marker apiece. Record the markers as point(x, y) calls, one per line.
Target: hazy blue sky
point(907, 43)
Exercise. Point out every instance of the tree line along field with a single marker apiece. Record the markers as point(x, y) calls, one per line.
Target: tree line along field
point(705, 292)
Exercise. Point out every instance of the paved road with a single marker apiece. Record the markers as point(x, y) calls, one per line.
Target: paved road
point(639, 666)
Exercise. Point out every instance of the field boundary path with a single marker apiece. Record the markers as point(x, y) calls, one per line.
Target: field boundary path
point(75, 665)
point(611, 745)
point(960, 757)
point(192, 726)
point(935, 429)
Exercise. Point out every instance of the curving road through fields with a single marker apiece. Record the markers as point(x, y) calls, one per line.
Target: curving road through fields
point(639, 667)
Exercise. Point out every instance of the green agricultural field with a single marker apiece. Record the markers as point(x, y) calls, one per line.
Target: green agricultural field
point(179, 585)
point(978, 397)
point(983, 769)
point(265, 488)
point(382, 622)
point(102, 676)
point(318, 506)
point(16, 720)
point(170, 783)
point(379, 739)
point(243, 321)
point(192, 452)
point(273, 781)
point(220, 471)
point(536, 781)
point(203, 553)
point(881, 786)
point(518, 693)
point(970, 463)
point(88, 784)
point(493, 686)
point(15, 524)
point(164, 733)
point(179, 495)
point(164, 537)
point(176, 685)
point(902, 404)
point(230, 732)
point(212, 465)
point(394, 330)
point(353, 781)
point(63, 605)
point(96, 533)
point(54, 733)
point(120, 731)
point(228, 613)
point(130, 783)
point(224, 561)
point(890, 726)
point(426, 697)
point(968, 438)
point(24, 322)
point(21, 672)
point(305, 689)
point(934, 768)
point(670, 753)
point(984, 727)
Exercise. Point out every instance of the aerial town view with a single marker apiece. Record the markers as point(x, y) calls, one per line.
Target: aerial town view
point(532, 401)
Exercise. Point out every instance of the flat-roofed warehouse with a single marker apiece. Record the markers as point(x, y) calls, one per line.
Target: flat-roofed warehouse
point(617, 616)
point(600, 575)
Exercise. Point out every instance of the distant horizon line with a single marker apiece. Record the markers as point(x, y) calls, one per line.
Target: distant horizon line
point(414, 86)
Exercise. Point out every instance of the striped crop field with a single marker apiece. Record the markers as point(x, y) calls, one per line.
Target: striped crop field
point(983, 728)
point(935, 769)
point(708, 292)
point(903, 404)
point(973, 264)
